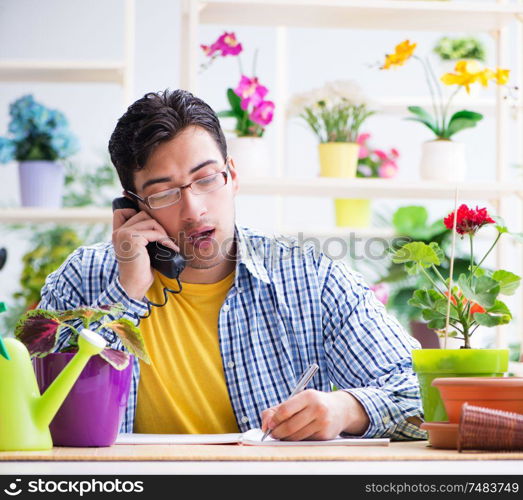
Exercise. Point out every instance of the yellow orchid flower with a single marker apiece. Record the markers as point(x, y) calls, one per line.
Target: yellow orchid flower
point(484, 76)
point(402, 53)
point(468, 67)
point(467, 73)
point(501, 76)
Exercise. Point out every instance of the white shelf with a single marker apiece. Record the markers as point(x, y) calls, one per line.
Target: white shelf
point(62, 71)
point(375, 188)
point(315, 187)
point(339, 232)
point(362, 14)
point(88, 215)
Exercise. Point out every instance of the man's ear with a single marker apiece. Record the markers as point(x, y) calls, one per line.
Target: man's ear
point(234, 176)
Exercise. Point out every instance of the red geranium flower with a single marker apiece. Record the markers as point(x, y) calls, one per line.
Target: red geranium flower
point(469, 220)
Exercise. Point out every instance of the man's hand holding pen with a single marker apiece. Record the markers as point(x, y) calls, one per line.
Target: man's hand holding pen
point(316, 415)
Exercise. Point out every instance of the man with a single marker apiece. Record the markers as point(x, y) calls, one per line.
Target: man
point(254, 312)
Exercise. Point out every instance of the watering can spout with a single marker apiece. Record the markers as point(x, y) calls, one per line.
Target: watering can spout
point(48, 404)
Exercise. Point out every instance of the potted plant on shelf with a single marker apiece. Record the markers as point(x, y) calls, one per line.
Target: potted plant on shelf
point(443, 159)
point(373, 163)
point(101, 392)
point(335, 114)
point(248, 106)
point(40, 138)
point(471, 301)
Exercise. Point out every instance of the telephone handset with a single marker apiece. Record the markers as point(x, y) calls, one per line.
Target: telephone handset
point(164, 259)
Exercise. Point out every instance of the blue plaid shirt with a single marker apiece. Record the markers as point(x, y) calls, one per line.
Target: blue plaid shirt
point(290, 306)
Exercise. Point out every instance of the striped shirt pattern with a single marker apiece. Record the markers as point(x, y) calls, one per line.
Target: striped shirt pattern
point(291, 305)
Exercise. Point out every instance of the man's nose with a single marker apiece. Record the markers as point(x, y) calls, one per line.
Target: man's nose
point(192, 206)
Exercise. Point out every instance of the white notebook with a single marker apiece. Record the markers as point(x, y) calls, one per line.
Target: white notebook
point(251, 437)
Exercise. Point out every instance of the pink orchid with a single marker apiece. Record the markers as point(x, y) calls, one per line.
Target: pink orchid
point(209, 50)
point(228, 44)
point(388, 169)
point(250, 91)
point(263, 113)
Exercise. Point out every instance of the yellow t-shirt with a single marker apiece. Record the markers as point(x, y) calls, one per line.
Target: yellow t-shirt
point(183, 391)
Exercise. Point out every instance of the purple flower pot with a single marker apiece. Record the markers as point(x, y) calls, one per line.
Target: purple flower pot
point(41, 183)
point(92, 412)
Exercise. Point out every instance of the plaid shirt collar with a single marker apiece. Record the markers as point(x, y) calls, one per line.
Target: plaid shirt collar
point(250, 254)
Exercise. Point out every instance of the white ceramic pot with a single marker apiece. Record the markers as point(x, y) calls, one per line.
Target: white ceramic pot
point(41, 183)
point(443, 160)
point(250, 155)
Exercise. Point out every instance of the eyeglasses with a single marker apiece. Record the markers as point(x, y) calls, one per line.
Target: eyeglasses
point(169, 197)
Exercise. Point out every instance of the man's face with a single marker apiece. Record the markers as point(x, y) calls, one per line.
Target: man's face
point(191, 155)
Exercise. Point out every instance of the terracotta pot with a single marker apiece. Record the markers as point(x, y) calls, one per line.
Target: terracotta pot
point(442, 434)
point(497, 393)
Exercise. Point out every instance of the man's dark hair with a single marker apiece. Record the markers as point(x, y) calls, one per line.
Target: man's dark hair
point(156, 118)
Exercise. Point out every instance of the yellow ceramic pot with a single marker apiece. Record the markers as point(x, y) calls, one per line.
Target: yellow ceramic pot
point(338, 159)
point(352, 212)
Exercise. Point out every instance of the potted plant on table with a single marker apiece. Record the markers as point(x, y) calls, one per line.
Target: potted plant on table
point(443, 159)
point(411, 223)
point(40, 138)
point(373, 163)
point(101, 392)
point(463, 305)
point(248, 106)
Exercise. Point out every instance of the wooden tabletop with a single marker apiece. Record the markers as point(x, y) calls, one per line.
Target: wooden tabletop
point(396, 451)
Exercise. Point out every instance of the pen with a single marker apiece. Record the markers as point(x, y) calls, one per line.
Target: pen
point(304, 380)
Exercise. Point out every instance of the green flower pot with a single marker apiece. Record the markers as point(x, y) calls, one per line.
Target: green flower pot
point(436, 363)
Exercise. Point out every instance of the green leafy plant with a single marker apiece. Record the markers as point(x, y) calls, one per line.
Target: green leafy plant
point(452, 49)
point(85, 185)
point(473, 299)
point(51, 248)
point(39, 330)
point(412, 223)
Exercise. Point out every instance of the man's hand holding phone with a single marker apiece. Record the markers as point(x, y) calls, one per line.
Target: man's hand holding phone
point(132, 231)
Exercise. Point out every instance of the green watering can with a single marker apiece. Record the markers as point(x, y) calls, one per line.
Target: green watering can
point(25, 415)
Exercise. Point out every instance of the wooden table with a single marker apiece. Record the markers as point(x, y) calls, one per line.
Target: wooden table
point(414, 457)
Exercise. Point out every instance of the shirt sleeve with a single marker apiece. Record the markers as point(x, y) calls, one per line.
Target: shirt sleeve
point(65, 289)
point(369, 353)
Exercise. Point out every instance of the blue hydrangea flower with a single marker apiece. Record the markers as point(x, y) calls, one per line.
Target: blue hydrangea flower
point(65, 143)
point(7, 150)
point(30, 121)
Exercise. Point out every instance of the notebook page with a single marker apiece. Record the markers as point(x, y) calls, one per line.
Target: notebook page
point(177, 438)
point(253, 437)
